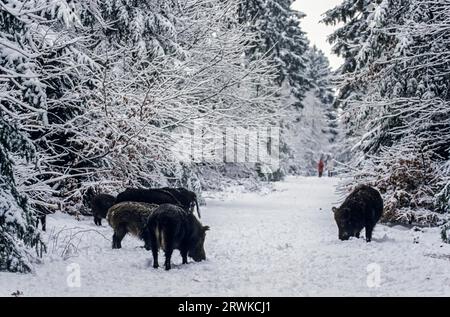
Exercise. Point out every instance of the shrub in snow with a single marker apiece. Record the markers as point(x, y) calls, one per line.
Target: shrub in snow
point(407, 184)
point(445, 233)
point(442, 199)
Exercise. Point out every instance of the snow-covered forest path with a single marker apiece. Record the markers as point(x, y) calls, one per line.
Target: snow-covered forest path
point(282, 243)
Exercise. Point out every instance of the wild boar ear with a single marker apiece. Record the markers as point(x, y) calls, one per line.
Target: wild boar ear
point(334, 209)
point(205, 228)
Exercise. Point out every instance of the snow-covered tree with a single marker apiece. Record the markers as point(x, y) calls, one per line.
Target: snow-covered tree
point(320, 76)
point(22, 100)
point(51, 86)
point(311, 132)
point(347, 43)
point(278, 35)
point(18, 232)
point(399, 126)
point(166, 66)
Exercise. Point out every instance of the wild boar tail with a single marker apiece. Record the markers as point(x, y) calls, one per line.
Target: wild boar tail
point(160, 237)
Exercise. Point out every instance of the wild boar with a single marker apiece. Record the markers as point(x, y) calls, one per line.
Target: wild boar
point(361, 209)
point(171, 227)
point(128, 217)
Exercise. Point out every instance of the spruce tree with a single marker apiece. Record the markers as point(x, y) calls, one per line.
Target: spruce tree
point(320, 76)
point(347, 43)
point(18, 232)
point(48, 83)
point(279, 36)
point(39, 97)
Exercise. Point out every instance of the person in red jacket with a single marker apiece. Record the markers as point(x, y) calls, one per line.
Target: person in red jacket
point(320, 167)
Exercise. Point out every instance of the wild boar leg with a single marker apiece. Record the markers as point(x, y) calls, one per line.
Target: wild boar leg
point(155, 257)
point(184, 254)
point(369, 229)
point(168, 248)
point(98, 221)
point(119, 234)
point(155, 247)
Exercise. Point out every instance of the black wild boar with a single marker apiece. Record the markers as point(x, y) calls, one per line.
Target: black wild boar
point(187, 198)
point(100, 204)
point(361, 209)
point(171, 227)
point(129, 217)
point(151, 196)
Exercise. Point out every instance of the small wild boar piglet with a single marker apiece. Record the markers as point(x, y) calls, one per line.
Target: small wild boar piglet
point(129, 217)
point(171, 227)
point(361, 209)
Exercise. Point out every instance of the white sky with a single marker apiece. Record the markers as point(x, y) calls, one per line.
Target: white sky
point(318, 32)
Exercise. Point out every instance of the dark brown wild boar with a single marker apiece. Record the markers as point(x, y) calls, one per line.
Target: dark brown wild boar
point(171, 227)
point(128, 217)
point(361, 209)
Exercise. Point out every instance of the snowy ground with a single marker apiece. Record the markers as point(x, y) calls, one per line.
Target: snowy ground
point(282, 243)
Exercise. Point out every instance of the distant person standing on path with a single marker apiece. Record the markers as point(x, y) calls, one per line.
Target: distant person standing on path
point(330, 166)
point(320, 167)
